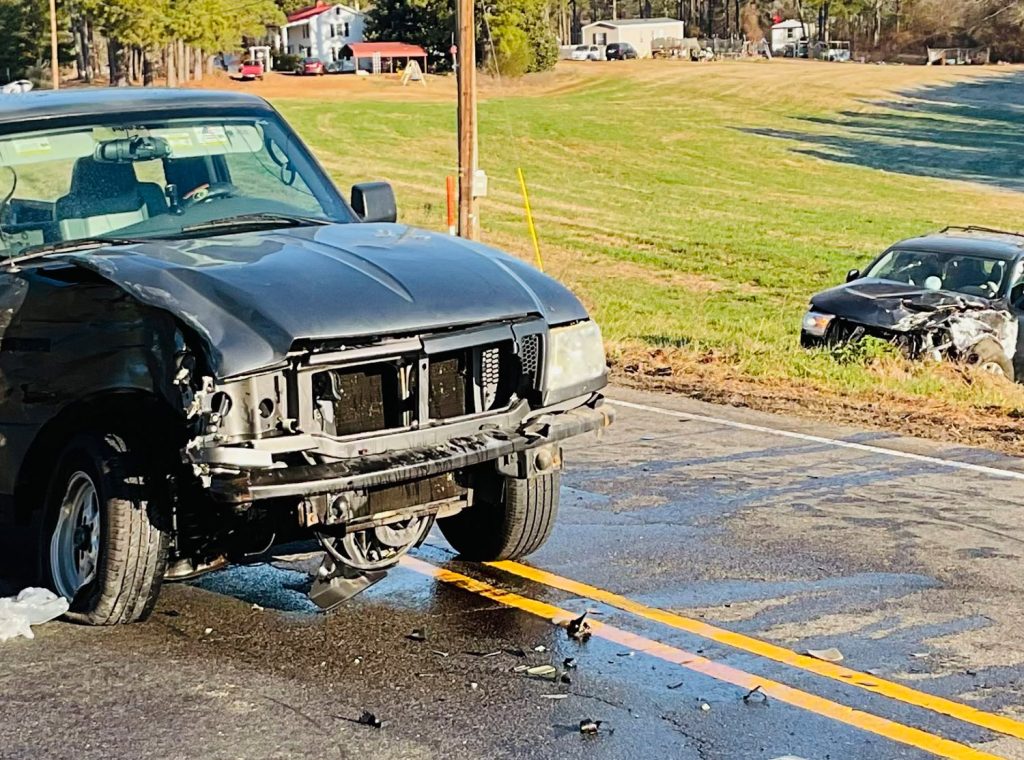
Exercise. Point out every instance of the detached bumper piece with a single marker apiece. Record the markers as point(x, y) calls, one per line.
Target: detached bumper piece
point(396, 467)
point(335, 584)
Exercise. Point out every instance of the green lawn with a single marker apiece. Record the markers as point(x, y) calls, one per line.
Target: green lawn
point(695, 208)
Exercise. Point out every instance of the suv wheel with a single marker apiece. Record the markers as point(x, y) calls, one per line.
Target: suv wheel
point(510, 518)
point(103, 547)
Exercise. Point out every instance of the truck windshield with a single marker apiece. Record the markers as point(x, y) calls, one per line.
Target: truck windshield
point(970, 275)
point(154, 180)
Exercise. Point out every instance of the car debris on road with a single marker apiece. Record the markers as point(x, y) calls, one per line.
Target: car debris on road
point(578, 629)
point(369, 719)
point(828, 655)
point(755, 696)
point(543, 672)
point(32, 606)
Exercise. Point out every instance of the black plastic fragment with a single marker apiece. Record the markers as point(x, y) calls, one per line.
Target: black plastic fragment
point(369, 719)
point(578, 628)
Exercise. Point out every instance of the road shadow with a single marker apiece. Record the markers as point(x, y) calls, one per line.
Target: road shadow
point(969, 131)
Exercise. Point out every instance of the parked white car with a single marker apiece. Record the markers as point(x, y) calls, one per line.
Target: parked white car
point(18, 86)
point(580, 53)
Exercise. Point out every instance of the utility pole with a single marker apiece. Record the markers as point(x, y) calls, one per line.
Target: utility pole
point(469, 223)
point(53, 45)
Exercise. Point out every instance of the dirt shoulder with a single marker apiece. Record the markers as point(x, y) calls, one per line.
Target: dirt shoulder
point(998, 427)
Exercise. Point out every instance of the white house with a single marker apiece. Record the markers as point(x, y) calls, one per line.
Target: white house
point(787, 32)
point(321, 31)
point(639, 32)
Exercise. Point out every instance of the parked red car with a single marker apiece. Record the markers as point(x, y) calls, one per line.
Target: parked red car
point(251, 70)
point(310, 66)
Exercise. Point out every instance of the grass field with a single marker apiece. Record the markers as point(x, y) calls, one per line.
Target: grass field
point(696, 207)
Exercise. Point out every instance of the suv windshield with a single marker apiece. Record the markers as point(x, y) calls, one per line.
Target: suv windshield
point(970, 275)
point(152, 180)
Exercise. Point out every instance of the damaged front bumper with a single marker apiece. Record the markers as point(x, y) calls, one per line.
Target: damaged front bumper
point(387, 468)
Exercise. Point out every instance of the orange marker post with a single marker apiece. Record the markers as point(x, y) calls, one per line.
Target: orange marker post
point(449, 182)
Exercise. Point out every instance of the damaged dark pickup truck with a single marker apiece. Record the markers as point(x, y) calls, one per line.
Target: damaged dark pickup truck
point(957, 295)
point(205, 352)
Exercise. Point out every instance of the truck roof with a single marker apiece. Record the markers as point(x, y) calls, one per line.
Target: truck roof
point(92, 101)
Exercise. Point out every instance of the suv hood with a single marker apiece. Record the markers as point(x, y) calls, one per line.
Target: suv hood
point(251, 296)
point(880, 303)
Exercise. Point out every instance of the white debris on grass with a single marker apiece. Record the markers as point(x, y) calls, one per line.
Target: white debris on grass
point(33, 606)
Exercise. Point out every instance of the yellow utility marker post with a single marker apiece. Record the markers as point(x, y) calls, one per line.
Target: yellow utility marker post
point(529, 219)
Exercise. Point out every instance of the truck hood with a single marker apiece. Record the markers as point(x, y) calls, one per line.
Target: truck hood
point(881, 303)
point(251, 296)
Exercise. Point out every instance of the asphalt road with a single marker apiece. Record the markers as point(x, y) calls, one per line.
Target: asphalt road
point(714, 547)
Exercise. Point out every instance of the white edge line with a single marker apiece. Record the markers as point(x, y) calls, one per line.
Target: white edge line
point(951, 463)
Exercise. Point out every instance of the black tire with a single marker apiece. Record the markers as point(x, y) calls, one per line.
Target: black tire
point(511, 519)
point(131, 549)
point(987, 354)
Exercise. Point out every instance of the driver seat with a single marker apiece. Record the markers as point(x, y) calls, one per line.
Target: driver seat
point(104, 197)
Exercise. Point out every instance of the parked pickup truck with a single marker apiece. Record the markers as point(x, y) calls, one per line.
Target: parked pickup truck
point(207, 351)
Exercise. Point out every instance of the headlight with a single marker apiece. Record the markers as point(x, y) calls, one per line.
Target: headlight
point(575, 361)
point(816, 323)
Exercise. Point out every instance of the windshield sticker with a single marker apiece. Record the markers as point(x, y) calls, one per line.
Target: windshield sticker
point(208, 135)
point(31, 146)
point(178, 139)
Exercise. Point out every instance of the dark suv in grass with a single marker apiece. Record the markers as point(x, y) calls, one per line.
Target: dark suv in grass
point(206, 351)
point(954, 295)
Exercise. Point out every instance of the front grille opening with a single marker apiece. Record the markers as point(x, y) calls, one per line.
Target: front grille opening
point(449, 389)
point(529, 355)
point(364, 399)
point(384, 395)
point(479, 379)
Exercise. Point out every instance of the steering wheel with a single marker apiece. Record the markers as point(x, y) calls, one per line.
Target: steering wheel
point(208, 192)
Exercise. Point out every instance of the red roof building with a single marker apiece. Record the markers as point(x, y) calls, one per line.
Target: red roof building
point(313, 10)
point(378, 57)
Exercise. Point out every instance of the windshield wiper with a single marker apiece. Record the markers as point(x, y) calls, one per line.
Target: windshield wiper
point(261, 220)
point(68, 246)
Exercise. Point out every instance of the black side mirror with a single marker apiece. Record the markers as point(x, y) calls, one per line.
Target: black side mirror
point(852, 275)
point(374, 202)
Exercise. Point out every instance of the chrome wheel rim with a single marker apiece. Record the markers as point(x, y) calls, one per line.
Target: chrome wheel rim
point(75, 545)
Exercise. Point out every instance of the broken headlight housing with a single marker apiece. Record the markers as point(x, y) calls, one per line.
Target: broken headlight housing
point(816, 324)
point(575, 362)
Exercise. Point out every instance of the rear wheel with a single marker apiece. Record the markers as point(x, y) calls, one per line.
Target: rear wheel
point(104, 548)
point(510, 518)
point(988, 356)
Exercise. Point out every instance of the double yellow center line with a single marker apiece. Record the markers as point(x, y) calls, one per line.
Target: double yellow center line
point(789, 695)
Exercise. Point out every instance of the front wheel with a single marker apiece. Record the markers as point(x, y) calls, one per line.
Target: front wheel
point(509, 519)
point(104, 548)
point(988, 356)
